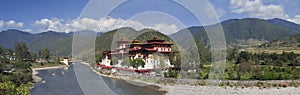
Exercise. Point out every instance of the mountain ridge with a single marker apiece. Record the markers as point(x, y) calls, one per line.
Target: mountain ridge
point(59, 43)
point(285, 23)
point(235, 30)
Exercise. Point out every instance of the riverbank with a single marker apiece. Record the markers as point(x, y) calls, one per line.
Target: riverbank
point(281, 88)
point(230, 87)
point(35, 71)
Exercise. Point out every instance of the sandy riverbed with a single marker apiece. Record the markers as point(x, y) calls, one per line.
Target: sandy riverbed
point(211, 90)
point(216, 90)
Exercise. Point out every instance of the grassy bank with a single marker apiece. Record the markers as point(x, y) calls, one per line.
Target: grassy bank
point(41, 65)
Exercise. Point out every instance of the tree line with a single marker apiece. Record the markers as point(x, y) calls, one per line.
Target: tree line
point(15, 69)
point(240, 65)
point(262, 66)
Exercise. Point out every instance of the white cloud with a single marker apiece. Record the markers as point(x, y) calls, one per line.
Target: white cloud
point(27, 30)
point(1, 23)
point(256, 8)
point(166, 29)
point(107, 24)
point(12, 23)
point(50, 24)
point(295, 19)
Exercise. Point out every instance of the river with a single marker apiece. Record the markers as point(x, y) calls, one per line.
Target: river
point(79, 79)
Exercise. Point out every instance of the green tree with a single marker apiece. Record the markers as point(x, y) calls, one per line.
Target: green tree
point(33, 56)
point(232, 54)
point(172, 58)
point(204, 53)
point(137, 62)
point(1, 51)
point(21, 50)
point(98, 58)
point(46, 54)
point(40, 54)
point(126, 61)
point(256, 70)
point(245, 55)
point(243, 67)
point(292, 56)
point(114, 61)
point(9, 88)
point(10, 52)
point(162, 63)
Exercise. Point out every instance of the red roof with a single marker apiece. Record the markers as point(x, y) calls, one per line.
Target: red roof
point(103, 66)
point(150, 49)
point(100, 65)
point(143, 71)
point(109, 67)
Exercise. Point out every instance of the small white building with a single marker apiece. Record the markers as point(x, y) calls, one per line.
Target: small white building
point(106, 61)
point(66, 61)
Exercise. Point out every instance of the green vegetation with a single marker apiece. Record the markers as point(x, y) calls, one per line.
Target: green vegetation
point(287, 43)
point(243, 29)
point(126, 62)
point(137, 62)
point(21, 50)
point(286, 24)
point(247, 66)
point(9, 88)
point(15, 76)
point(264, 66)
point(58, 43)
point(15, 68)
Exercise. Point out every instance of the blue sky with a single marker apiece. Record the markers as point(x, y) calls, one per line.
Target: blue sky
point(61, 15)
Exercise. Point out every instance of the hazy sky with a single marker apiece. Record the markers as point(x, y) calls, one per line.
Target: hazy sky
point(62, 15)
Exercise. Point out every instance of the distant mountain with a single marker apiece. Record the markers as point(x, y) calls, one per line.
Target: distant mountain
point(237, 30)
point(9, 37)
point(59, 43)
point(285, 24)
